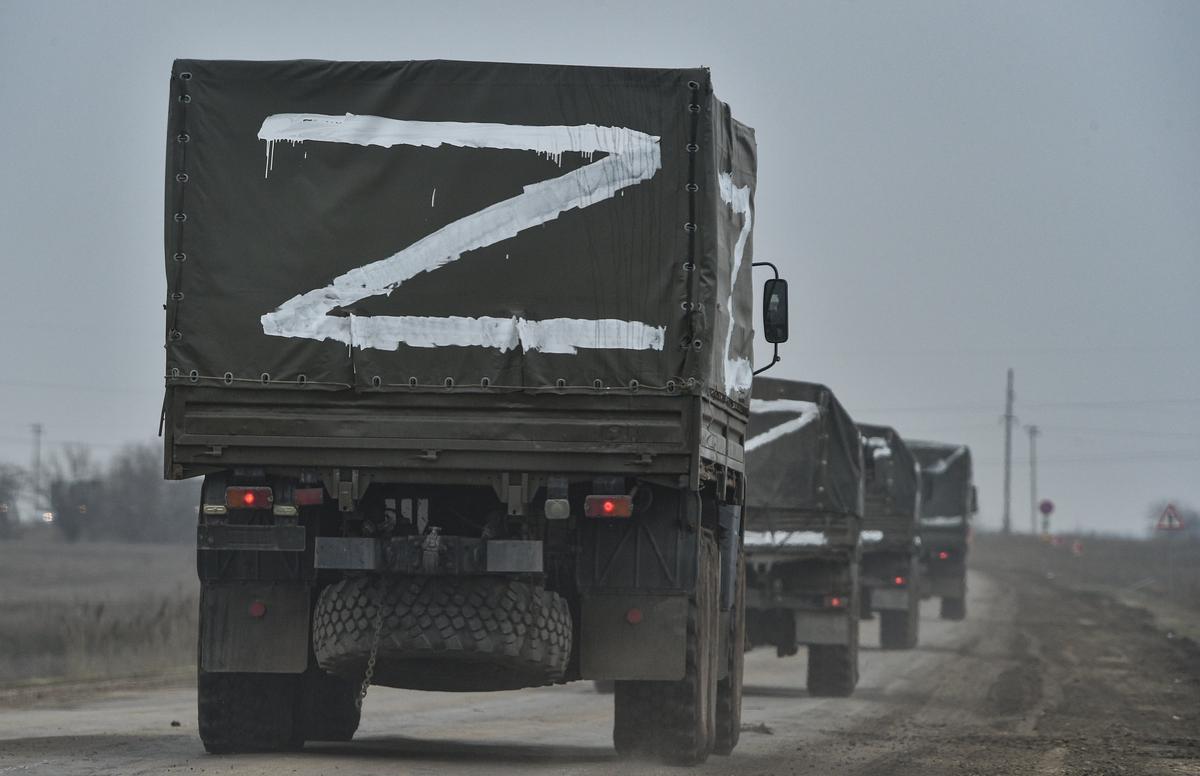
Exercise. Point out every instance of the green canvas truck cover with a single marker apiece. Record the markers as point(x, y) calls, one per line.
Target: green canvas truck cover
point(803, 455)
point(456, 226)
point(946, 482)
point(893, 479)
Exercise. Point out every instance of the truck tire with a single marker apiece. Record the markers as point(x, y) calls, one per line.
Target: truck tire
point(248, 712)
point(729, 689)
point(833, 668)
point(329, 707)
point(675, 721)
point(898, 628)
point(604, 686)
point(444, 633)
point(954, 609)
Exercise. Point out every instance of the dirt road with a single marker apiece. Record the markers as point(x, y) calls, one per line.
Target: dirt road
point(1037, 680)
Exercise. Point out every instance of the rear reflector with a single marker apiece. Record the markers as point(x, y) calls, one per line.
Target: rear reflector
point(835, 602)
point(608, 506)
point(943, 555)
point(899, 580)
point(249, 497)
point(306, 497)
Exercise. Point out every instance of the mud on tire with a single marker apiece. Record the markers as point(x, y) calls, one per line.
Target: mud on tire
point(898, 627)
point(248, 712)
point(444, 633)
point(329, 708)
point(953, 609)
point(675, 721)
point(729, 689)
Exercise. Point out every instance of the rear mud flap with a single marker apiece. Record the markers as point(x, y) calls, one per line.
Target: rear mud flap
point(633, 636)
point(883, 598)
point(254, 627)
point(822, 627)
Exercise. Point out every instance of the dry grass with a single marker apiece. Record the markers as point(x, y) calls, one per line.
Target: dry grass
point(94, 610)
point(1125, 565)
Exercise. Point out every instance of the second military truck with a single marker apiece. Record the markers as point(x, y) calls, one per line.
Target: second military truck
point(463, 352)
point(803, 520)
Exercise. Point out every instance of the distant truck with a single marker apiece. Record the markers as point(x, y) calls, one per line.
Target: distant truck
point(803, 516)
point(891, 567)
point(948, 503)
point(463, 352)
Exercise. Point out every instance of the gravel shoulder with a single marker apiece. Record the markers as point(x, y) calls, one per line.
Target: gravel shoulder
point(1039, 679)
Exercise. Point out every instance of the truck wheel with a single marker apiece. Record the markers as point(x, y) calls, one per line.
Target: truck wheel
point(604, 686)
point(675, 720)
point(444, 633)
point(248, 712)
point(329, 707)
point(833, 668)
point(729, 689)
point(898, 628)
point(954, 609)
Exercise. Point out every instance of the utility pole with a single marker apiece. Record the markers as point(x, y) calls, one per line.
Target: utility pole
point(1009, 418)
point(37, 467)
point(1033, 498)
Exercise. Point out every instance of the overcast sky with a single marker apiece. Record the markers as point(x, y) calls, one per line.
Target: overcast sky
point(952, 188)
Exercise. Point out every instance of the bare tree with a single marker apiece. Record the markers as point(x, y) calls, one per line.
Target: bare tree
point(11, 478)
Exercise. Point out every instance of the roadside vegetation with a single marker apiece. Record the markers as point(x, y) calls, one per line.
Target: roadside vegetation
point(94, 610)
point(1162, 570)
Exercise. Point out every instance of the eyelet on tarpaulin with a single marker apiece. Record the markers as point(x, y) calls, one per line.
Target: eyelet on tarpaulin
point(181, 177)
point(692, 187)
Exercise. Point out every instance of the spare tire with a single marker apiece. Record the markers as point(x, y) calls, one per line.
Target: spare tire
point(444, 633)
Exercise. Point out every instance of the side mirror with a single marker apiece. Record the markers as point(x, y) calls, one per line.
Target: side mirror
point(974, 500)
point(775, 311)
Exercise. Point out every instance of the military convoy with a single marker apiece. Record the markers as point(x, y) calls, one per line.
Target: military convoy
point(463, 353)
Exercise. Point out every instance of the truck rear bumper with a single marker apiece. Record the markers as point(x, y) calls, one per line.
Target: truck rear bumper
point(823, 627)
point(893, 598)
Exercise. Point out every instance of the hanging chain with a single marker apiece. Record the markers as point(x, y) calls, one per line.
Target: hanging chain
point(370, 673)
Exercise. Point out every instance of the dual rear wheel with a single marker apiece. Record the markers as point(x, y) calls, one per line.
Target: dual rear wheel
point(241, 712)
point(683, 721)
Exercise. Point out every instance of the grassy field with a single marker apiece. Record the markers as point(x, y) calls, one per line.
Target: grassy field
point(1149, 574)
point(94, 610)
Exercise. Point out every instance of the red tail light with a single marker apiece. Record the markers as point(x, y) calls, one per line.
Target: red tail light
point(943, 555)
point(835, 602)
point(608, 506)
point(899, 581)
point(249, 497)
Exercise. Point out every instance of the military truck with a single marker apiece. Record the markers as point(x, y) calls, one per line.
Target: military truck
point(463, 353)
point(891, 568)
point(803, 517)
point(948, 502)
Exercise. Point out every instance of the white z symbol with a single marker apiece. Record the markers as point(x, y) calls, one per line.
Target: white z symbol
point(632, 157)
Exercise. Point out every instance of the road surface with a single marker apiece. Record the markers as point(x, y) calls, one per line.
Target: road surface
point(1036, 680)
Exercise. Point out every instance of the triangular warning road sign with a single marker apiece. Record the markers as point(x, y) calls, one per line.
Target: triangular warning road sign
point(1170, 520)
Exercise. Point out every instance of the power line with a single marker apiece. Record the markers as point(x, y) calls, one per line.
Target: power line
point(1154, 455)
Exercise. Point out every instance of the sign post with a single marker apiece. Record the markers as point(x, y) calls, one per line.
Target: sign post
point(1046, 507)
point(1171, 523)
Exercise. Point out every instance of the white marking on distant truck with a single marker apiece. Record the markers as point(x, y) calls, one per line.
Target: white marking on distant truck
point(807, 412)
point(785, 539)
point(632, 157)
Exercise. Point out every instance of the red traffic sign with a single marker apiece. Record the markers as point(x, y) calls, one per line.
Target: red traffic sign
point(1170, 520)
point(1046, 507)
